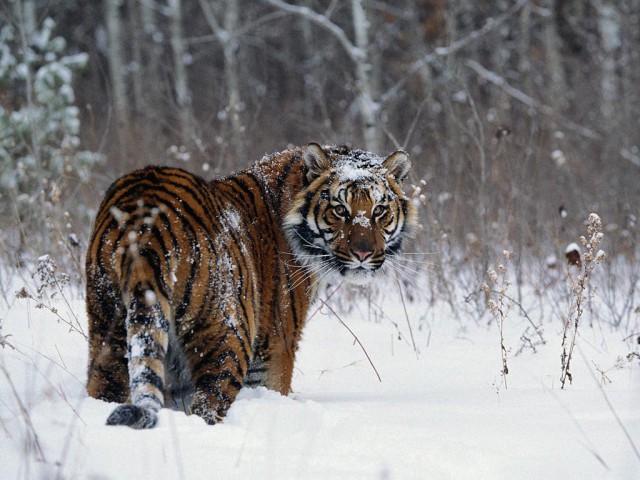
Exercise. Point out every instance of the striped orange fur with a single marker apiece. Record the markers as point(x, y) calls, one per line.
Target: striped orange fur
point(197, 288)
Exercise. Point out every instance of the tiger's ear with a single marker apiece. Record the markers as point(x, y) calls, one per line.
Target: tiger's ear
point(398, 165)
point(315, 160)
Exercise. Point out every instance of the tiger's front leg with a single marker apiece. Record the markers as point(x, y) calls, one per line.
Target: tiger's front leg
point(219, 364)
point(279, 370)
point(271, 367)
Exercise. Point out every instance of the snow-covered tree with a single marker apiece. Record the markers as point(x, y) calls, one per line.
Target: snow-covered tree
point(39, 124)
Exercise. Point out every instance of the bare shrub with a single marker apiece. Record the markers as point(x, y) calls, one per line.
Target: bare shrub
point(499, 304)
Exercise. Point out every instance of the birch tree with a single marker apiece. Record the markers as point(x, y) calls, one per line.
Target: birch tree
point(368, 106)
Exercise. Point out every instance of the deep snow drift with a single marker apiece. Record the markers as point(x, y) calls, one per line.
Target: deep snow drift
point(442, 413)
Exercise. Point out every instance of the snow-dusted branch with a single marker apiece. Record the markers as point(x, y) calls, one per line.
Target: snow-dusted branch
point(355, 53)
point(531, 102)
point(499, 81)
point(490, 25)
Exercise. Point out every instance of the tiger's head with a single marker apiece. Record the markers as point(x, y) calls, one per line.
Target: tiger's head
point(352, 214)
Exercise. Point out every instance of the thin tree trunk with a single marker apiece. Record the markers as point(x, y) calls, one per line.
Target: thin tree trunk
point(524, 48)
point(226, 36)
point(630, 68)
point(368, 106)
point(28, 15)
point(232, 78)
point(609, 26)
point(150, 103)
point(183, 96)
point(558, 97)
point(137, 48)
point(117, 72)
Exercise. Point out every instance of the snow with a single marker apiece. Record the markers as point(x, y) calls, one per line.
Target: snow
point(572, 247)
point(594, 218)
point(138, 343)
point(362, 219)
point(558, 157)
point(350, 172)
point(231, 219)
point(441, 413)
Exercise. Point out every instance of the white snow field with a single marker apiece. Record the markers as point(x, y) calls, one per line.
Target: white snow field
point(441, 414)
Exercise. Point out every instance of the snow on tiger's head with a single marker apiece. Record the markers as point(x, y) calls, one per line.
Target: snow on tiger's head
point(352, 214)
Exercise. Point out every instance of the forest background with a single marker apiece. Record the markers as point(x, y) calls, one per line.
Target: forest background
point(521, 118)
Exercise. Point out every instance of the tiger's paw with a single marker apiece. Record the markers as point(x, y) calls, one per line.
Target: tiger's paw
point(133, 416)
point(207, 414)
point(202, 407)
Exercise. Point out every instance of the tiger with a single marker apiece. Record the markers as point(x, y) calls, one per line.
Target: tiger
point(197, 288)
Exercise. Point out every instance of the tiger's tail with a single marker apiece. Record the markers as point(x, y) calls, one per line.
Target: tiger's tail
point(147, 327)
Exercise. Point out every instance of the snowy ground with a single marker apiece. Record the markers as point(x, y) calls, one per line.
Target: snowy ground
point(442, 414)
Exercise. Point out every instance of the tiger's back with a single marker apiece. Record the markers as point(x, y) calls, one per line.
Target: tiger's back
point(197, 288)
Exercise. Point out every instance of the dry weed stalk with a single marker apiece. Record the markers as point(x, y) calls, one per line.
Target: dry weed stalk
point(499, 304)
point(32, 443)
point(578, 285)
point(51, 283)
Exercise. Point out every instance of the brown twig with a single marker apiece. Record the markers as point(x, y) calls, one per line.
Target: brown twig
point(354, 336)
point(525, 314)
point(315, 312)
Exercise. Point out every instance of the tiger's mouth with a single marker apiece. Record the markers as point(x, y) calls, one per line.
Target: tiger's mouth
point(357, 273)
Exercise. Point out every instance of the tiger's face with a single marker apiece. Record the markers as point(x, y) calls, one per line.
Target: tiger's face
point(352, 214)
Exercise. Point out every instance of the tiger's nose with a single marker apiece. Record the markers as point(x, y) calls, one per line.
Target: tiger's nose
point(361, 255)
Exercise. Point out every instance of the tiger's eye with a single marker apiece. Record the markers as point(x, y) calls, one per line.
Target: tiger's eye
point(379, 210)
point(340, 210)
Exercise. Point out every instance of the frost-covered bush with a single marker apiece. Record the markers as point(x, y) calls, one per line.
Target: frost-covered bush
point(39, 128)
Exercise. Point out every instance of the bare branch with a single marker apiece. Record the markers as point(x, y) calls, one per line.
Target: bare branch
point(210, 16)
point(354, 52)
point(531, 102)
point(536, 328)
